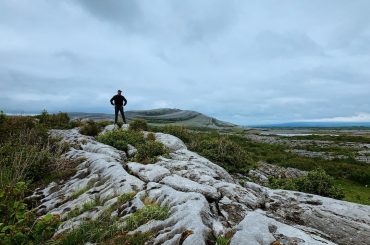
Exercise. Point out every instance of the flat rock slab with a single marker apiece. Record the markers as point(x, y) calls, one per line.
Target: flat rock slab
point(171, 142)
point(339, 221)
point(187, 185)
point(258, 229)
point(149, 172)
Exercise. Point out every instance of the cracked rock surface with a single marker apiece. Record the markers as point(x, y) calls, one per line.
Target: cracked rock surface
point(204, 201)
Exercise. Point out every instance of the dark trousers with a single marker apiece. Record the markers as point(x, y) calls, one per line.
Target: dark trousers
point(120, 109)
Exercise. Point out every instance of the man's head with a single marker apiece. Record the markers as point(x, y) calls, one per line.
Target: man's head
point(119, 91)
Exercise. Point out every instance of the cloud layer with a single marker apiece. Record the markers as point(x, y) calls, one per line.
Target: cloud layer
point(247, 62)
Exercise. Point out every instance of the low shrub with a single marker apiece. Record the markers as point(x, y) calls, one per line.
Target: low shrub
point(25, 151)
point(147, 149)
point(90, 128)
point(75, 123)
point(360, 176)
point(138, 125)
point(103, 123)
point(226, 151)
point(316, 182)
point(18, 224)
point(320, 183)
point(59, 120)
point(27, 158)
point(120, 138)
point(148, 152)
point(150, 136)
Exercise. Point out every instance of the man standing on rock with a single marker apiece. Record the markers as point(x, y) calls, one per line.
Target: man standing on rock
point(118, 105)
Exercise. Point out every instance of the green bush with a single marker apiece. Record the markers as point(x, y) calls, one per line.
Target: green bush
point(224, 151)
point(120, 138)
point(75, 123)
point(103, 123)
point(360, 176)
point(148, 152)
point(59, 120)
point(150, 136)
point(138, 125)
point(18, 126)
point(320, 183)
point(24, 151)
point(316, 182)
point(18, 224)
point(90, 128)
point(27, 155)
point(286, 184)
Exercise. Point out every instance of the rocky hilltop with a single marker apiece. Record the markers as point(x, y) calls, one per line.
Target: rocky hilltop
point(204, 202)
point(162, 116)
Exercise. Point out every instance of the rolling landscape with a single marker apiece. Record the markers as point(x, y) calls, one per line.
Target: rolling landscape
point(161, 116)
point(168, 122)
point(64, 182)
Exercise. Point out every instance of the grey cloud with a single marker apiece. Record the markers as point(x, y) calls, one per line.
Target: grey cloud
point(124, 13)
point(270, 44)
point(242, 61)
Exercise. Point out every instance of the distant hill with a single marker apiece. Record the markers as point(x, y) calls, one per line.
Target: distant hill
point(161, 116)
point(315, 125)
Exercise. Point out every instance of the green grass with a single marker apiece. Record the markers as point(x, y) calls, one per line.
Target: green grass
point(340, 138)
point(148, 149)
point(90, 231)
point(144, 215)
point(221, 240)
point(335, 150)
point(79, 192)
point(354, 192)
point(87, 206)
point(122, 199)
point(107, 230)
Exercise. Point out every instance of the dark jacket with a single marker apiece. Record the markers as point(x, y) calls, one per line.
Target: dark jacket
point(118, 100)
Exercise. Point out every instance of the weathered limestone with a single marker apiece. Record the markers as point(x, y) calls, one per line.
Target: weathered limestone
point(256, 229)
point(339, 221)
point(189, 212)
point(204, 201)
point(148, 173)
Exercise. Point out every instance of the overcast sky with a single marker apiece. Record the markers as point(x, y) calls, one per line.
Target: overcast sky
point(245, 62)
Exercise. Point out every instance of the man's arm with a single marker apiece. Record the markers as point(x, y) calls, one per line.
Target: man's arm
point(111, 100)
point(124, 100)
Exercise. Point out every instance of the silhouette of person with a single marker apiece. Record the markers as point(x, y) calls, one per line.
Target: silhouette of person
point(118, 100)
